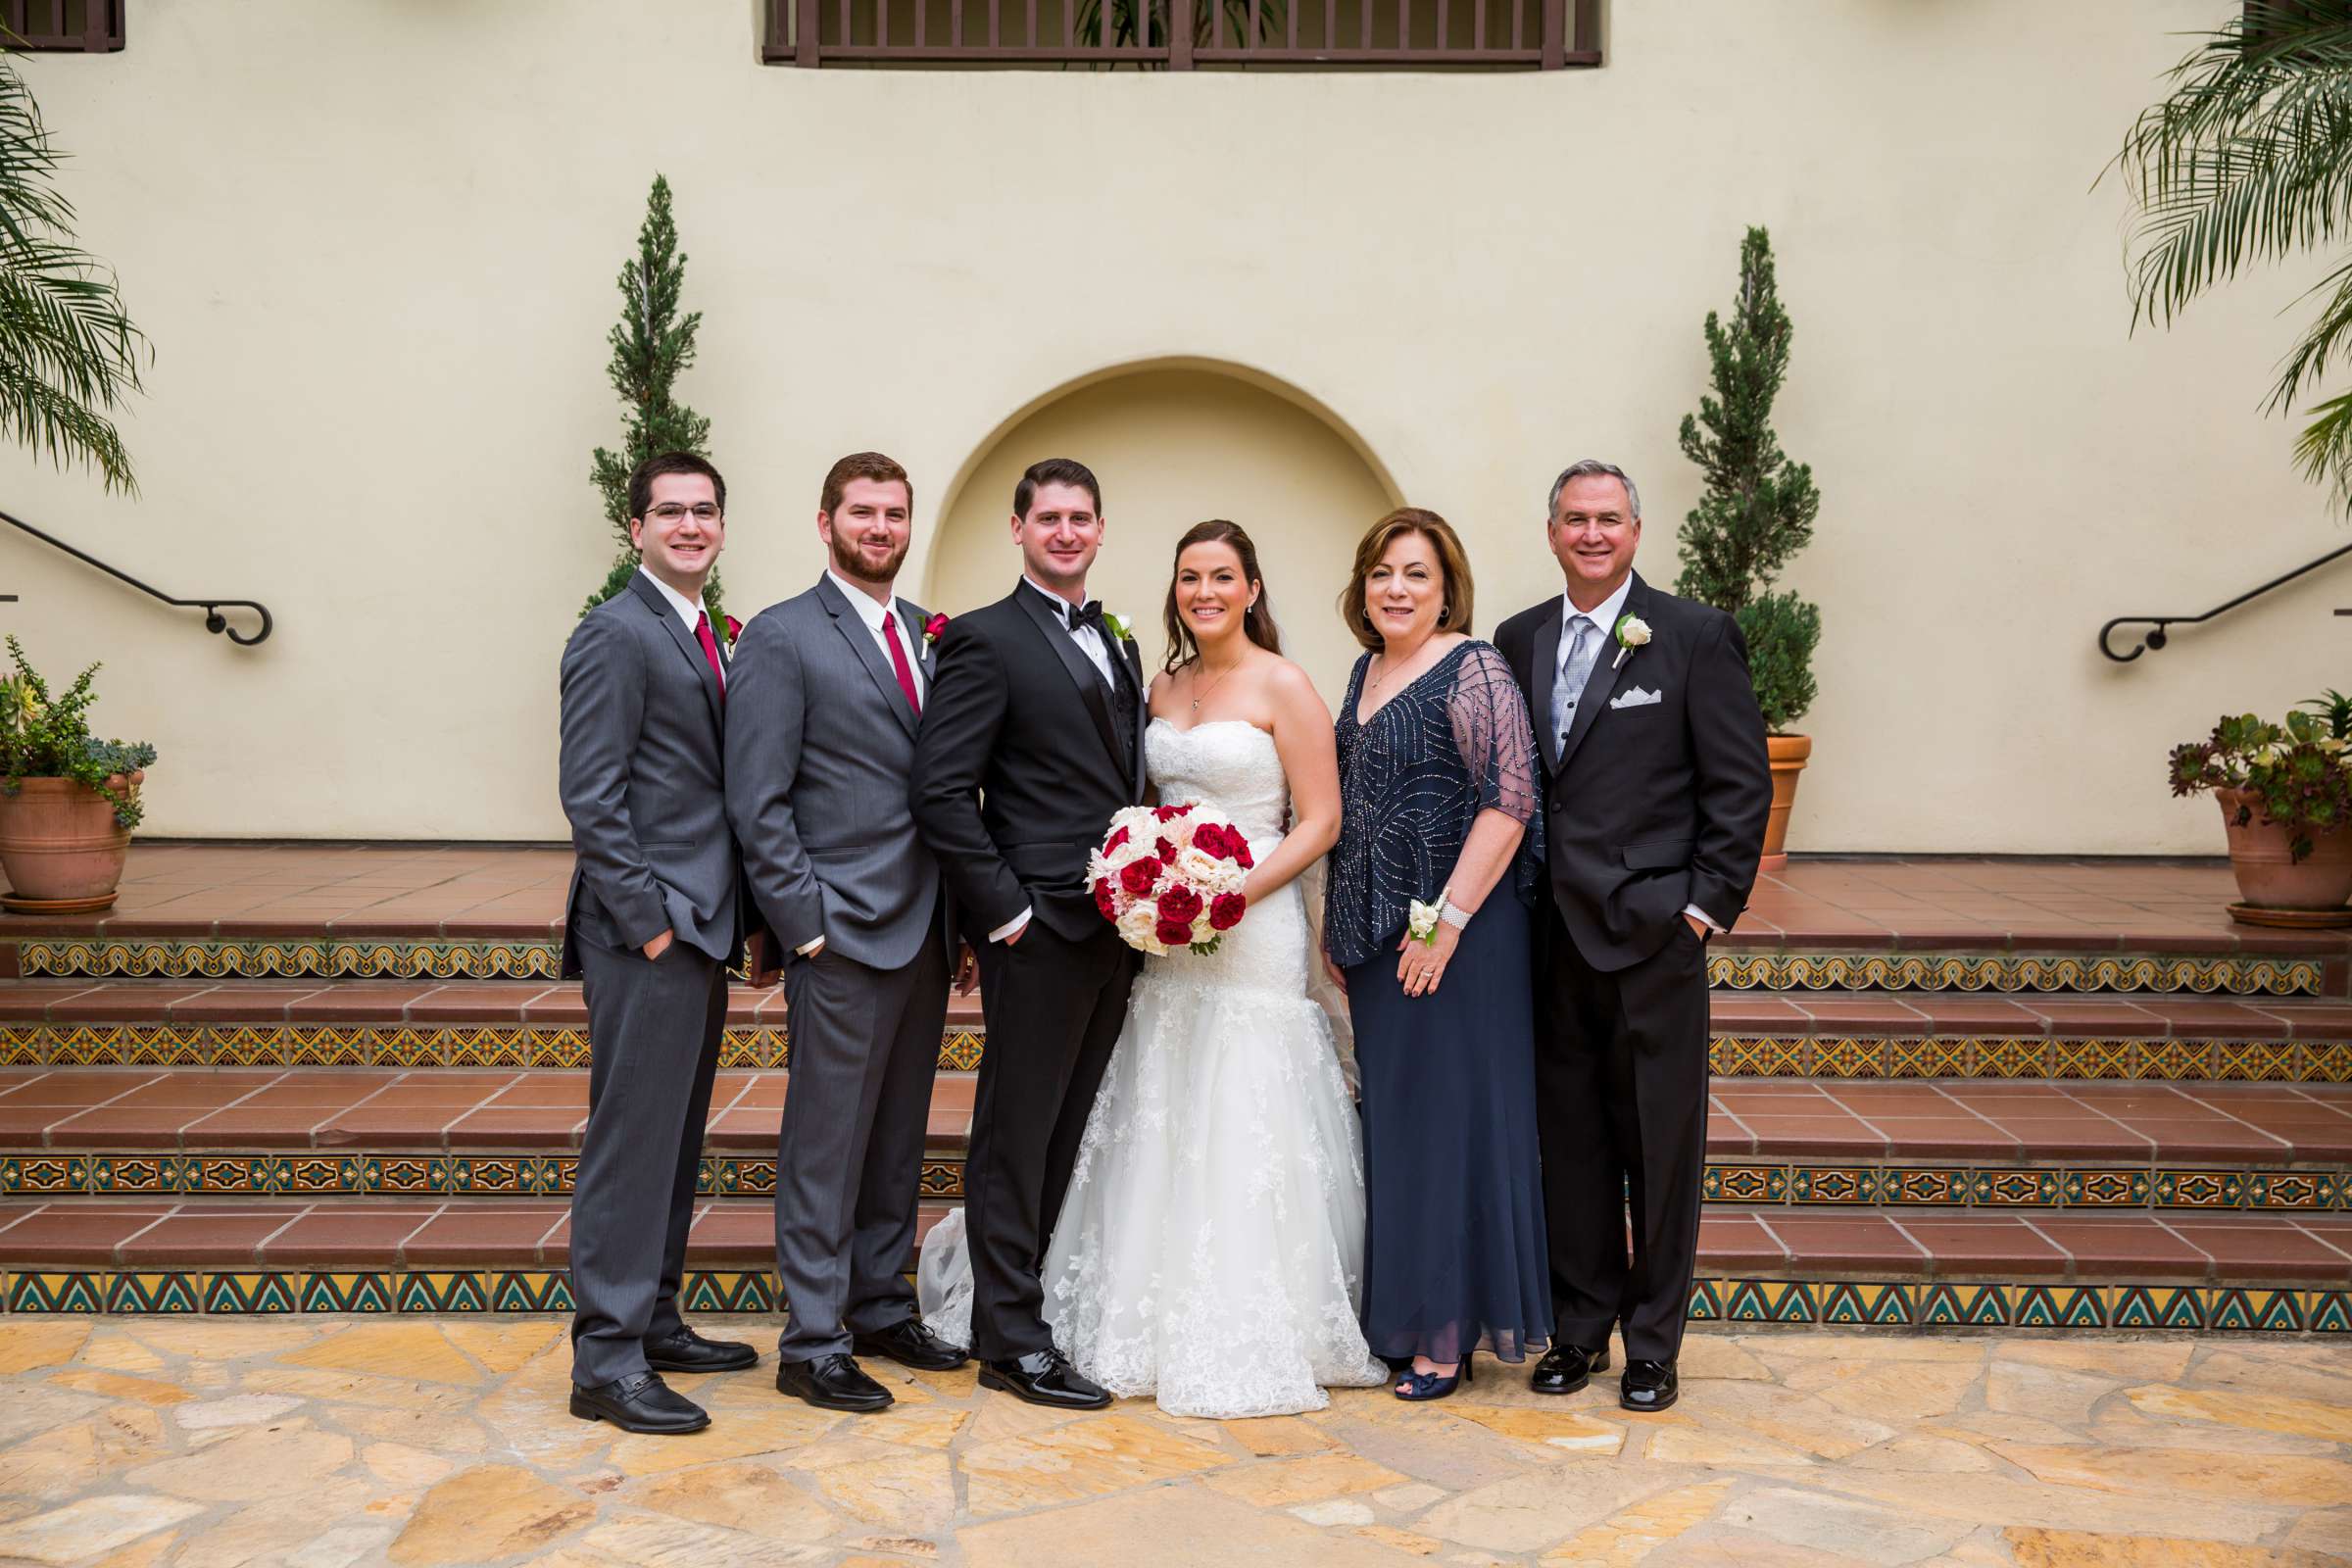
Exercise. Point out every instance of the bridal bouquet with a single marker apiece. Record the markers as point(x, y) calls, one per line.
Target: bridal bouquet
point(1171, 876)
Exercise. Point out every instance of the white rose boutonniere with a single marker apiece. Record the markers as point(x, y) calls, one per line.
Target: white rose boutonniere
point(1632, 632)
point(1120, 626)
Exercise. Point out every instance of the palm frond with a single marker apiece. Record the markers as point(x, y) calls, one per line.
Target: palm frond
point(70, 353)
point(2248, 160)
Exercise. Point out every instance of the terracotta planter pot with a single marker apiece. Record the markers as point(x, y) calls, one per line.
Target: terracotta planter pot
point(1789, 754)
point(2268, 877)
point(60, 842)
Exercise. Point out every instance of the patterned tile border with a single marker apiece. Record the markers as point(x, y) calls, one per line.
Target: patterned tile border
point(763, 1046)
point(185, 1045)
point(1894, 1305)
point(1945, 1304)
point(408, 1173)
point(2030, 1058)
point(129, 957)
point(1929, 971)
point(327, 957)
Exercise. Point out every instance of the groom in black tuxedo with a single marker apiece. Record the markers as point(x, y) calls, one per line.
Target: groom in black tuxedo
point(1033, 737)
point(1655, 794)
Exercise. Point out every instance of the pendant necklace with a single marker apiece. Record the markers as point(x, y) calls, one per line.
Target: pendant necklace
point(1202, 692)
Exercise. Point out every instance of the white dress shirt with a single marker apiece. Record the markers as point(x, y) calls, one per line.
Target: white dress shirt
point(873, 614)
point(1097, 649)
point(1088, 640)
point(689, 610)
point(1604, 617)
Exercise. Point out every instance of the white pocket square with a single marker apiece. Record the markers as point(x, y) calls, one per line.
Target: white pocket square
point(1636, 698)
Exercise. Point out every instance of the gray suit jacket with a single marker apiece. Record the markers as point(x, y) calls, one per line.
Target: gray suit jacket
point(643, 783)
point(820, 749)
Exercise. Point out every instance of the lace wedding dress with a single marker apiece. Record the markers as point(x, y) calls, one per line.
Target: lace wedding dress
point(1210, 1247)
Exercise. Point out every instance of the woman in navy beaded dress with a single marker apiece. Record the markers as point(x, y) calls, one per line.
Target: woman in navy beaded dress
point(1438, 806)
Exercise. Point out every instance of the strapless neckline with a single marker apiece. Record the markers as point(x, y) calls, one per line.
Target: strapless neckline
point(1175, 728)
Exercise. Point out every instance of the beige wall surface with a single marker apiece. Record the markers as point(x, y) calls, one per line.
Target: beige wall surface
point(374, 244)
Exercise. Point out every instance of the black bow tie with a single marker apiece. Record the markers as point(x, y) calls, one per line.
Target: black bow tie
point(1088, 614)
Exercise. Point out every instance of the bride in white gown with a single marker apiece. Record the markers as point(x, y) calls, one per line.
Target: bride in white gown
point(1210, 1247)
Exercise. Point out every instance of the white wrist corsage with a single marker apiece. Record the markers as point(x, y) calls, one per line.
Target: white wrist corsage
point(1632, 632)
point(1421, 919)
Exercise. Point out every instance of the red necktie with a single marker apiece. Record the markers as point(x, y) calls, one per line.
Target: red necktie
point(898, 663)
point(702, 633)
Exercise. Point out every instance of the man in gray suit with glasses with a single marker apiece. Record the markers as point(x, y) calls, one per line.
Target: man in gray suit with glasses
point(650, 929)
point(828, 694)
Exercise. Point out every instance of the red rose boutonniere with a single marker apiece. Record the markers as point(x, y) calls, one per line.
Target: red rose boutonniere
point(734, 629)
point(933, 628)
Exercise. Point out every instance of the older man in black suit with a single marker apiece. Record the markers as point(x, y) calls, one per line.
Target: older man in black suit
point(1655, 792)
point(650, 929)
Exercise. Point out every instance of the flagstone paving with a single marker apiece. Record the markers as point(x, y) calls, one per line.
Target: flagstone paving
point(328, 1442)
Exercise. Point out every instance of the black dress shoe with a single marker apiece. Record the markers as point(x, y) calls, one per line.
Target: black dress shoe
point(1044, 1377)
point(910, 1344)
point(688, 1352)
point(1648, 1386)
point(639, 1403)
point(1567, 1368)
point(832, 1383)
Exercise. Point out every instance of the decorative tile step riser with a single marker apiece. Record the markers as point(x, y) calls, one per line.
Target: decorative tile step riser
point(1735, 969)
point(760, 1045)
point(381, 1174)
point(1842, 1304)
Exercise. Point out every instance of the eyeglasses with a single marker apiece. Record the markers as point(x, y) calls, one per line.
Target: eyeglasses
point(672, 512)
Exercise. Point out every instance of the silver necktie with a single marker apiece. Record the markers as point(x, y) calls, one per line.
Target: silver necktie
point(1574, 672)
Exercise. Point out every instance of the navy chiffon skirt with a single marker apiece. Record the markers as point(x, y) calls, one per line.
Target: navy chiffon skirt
point(1455, 1255)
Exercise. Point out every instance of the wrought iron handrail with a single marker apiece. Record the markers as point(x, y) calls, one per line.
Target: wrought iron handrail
point(213, 620)
point(2157, 638)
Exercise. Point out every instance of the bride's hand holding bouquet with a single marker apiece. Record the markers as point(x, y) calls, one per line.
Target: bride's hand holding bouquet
point(1171, 876)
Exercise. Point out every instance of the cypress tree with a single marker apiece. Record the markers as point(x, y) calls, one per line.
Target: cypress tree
point(1758, 508)
point(652, 345)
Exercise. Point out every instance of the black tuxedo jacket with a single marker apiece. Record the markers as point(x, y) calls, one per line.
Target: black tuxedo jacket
point(1020, 764)
point(1650, 805)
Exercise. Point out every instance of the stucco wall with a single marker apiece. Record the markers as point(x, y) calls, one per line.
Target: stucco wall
point(374, 243)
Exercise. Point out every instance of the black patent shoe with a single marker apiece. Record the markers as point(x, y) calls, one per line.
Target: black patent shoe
point(832, 1383)
point(910, 1344)
point(1567, 1368)
point(1044, 1377)
point(1648, 1386)
point(688, 1352)
point(639, 1403)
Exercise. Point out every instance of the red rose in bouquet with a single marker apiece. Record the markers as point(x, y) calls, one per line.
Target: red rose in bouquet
point(1166, 886)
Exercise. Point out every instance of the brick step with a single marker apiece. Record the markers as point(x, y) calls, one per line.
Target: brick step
point(486, 1136)
point(1864, 1268)
point(458, 912)
point(528, 1023)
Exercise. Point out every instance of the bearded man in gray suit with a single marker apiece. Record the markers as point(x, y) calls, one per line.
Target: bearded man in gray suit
point(827, 696)
point(650, 928)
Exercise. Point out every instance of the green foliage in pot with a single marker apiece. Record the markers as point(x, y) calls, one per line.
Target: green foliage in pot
point(652, 347)
point(2299, 773)
point(1781, 632)
point(1758, 509)
point(46, 737)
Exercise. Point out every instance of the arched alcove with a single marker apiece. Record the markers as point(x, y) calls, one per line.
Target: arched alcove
point(1174, 444)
